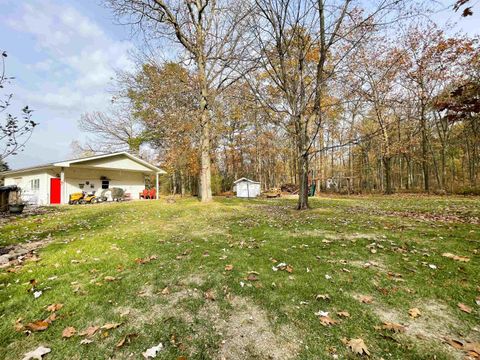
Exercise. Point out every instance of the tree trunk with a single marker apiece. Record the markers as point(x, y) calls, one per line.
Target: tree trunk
point(303, 181)
point(425, 168)
point(205, 188)
point(387, 163)
point(182, 183)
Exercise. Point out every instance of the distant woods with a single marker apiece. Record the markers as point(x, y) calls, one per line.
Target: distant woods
point(300, 92)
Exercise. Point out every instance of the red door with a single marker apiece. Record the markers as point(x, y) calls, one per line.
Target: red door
point(55, 191)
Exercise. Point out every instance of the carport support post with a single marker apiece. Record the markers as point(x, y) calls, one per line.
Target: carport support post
point(63, 186)
point(156, 185)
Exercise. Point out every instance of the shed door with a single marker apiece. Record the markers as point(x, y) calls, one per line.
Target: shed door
point(55, 191)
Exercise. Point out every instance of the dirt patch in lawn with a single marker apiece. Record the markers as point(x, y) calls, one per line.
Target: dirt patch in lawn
point(15, 255)
point(248, 334)
point(434, 325)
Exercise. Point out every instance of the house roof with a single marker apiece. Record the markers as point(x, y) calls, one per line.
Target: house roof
point(245, 179)
point(68, 163)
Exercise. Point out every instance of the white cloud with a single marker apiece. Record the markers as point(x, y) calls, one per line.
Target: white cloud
point(67, 71)
point(80, 57)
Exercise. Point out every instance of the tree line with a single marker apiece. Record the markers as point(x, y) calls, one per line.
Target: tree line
point(343, 95)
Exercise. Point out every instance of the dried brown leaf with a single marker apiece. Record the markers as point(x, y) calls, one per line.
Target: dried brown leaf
point(109, 326)
point(54, 307)
point(39, 325)
point(366, 299)
point(209, 295)
point(327, 321)
point(414, 313)
point(126, 340)
point(166, 291)
point(465, 308)
point(90, 331)
point(456, 257)
point(358, 346)
point(395, 327)
point(69, 332)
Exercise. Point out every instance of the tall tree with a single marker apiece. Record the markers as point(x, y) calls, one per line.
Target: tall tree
point(211, 33)
point(297, 42)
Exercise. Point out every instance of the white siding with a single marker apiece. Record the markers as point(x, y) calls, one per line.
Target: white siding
point(40, 196)
point(247, 189)
point(119, 162)
point(131, 182)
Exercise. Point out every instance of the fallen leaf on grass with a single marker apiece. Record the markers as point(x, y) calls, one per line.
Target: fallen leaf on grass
point(464, 308)
point(146, 260)
point(109, 326)
point(322, 297)
point(395, 327)
point(357, 346)
point(85, 341)
point(327, 321)
point(69, 332)
point(209, 295)
point(414, 313)
point(252, 277)
point(471, 348)
point(152, 352)
point(456, 257)
point(90, 331)
point(283, 267)
point(110, 278)
point(54, 307)
point(18, 325)
point(51, 318)
point(166, 291)
point(366, 299)
point(457, 344)
point(229, 267)
point(37, 353)
point(126, 340)
point(39, 325)
point(343, 314)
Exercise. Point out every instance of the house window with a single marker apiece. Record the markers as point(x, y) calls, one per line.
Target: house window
point(105, 184)
point(35, 184)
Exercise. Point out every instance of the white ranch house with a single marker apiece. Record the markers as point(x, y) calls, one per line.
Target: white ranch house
point(53, 183)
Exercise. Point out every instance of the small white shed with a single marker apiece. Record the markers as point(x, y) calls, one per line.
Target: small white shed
point(246, 188)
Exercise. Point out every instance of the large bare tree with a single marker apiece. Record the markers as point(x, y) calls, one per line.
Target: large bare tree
point(114, 130)
point(211, 35)
point(302, 45)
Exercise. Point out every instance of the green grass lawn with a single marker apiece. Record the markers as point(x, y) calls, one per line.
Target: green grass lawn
point(375, 257)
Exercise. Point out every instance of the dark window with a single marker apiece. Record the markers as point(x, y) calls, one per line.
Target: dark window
point(105, 184)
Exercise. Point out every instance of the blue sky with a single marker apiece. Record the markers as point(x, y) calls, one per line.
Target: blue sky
point(64, 53)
